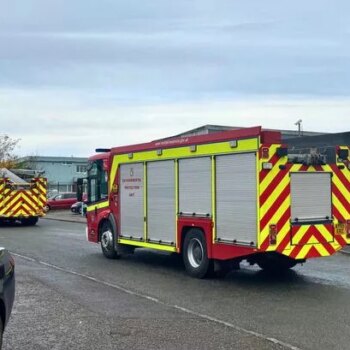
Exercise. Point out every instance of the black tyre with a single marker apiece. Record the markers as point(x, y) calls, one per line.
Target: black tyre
point(276, 263)
point(1, 332)
point(195, 255)
point(29, 221)
point(107, 238)
point(46, 208)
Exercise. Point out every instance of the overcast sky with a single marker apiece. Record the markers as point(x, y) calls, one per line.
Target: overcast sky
point(80, 74)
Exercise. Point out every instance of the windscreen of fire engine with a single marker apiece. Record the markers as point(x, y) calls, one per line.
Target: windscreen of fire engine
point(311, 197)
point(97, 182)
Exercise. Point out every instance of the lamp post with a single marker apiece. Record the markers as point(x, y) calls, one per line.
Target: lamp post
point(298, 123)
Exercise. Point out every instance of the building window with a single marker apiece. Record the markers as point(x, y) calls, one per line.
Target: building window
point(81, 168)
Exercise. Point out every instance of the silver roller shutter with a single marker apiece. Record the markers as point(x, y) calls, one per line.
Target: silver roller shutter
point(195, 186)
point(131, 196)
point(236, 198)
point(311, 196)
point(161, 212)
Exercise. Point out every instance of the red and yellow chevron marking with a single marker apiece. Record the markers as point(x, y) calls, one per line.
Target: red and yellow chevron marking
point(341, 194)
point(304, 241)
point(22, 201)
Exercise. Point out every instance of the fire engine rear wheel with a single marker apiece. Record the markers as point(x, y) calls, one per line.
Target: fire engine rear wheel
point(195, 255)
point(107, 241)
point(29, 221)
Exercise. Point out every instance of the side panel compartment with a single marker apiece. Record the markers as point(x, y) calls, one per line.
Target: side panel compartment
point(236, 198)
point(132, 200)
point(311, 195)
point(195, 186)
point(311, 208)
point(161, 212)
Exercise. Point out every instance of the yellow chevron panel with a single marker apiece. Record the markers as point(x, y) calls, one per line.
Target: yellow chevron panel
point(339, 184)
point(340, 206)
point(274, 195)
point(325, 233)
point(271, 175)
point(300, 234)
point(275, 218)
point(18, 202)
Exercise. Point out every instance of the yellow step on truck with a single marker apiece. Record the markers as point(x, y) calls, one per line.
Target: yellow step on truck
point(24, 201)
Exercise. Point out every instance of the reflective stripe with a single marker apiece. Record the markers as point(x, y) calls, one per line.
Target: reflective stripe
point(100, 205)
point(148, 245)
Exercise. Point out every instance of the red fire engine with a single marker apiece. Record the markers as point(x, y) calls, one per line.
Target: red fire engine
point(221, 198)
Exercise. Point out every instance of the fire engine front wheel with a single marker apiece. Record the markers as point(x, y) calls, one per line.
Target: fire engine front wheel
point(195, 255)
point(107, 241)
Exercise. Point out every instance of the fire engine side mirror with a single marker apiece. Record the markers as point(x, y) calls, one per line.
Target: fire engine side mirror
point(80, 182)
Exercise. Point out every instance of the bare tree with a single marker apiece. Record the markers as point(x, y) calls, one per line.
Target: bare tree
point(7, 147)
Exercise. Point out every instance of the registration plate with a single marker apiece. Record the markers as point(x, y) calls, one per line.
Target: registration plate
point(340, 229)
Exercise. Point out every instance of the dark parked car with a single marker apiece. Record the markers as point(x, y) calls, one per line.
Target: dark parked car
point(78, 207)
point(61, 201)
point(7, 289)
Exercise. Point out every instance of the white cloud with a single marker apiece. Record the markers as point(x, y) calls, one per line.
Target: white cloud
point(53, 128)
point(79, 75)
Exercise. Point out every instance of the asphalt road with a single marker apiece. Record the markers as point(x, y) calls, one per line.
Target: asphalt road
point(70, 297)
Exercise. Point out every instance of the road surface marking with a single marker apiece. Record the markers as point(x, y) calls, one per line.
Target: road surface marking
point(158, 301)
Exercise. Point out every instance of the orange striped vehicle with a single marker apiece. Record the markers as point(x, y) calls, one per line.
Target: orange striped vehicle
point(22, 202)
point(221, 198)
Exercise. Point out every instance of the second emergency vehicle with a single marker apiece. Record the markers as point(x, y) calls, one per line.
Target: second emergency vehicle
point(23, 201)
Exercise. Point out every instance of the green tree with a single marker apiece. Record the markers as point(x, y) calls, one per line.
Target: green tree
point(7, 148)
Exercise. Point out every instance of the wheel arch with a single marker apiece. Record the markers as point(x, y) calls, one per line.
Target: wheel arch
point(100, 224)
point(109, 218)
point(185, 230)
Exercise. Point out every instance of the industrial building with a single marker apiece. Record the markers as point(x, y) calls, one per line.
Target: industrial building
point(209, 129)
point(61, 172)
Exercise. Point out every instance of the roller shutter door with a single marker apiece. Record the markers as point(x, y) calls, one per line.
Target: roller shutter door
point(236, 198)
point(161, 212)
point(195, 186)
point(311, 196)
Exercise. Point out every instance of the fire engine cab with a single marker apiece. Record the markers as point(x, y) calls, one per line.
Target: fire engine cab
point(219, 199)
